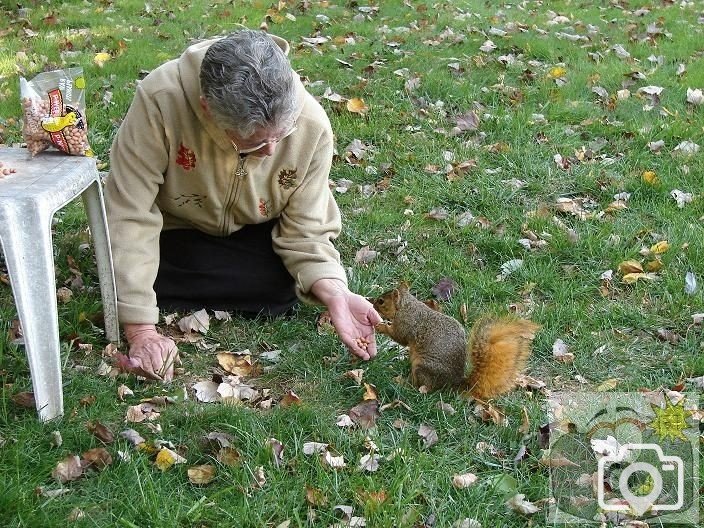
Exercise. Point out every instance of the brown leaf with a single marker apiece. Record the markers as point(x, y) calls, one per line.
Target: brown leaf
point(630, 266)
point(324, 324)
point(365, 255)
point(365, 414)
point(315, 497)
point(290, 398)
point(369, 392)
point(355, 375)
point(467, 122)
point(97, 458)
point(24, 399)
point(88, 400)
point(237, 364)
point(444, 289)
point(229, 456)
point(123, 391)
point(203, 474)
point(68, 469)
point(488, 412)
point(100, 431)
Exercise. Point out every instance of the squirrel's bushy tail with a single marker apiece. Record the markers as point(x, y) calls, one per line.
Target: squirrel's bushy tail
point(499, 350)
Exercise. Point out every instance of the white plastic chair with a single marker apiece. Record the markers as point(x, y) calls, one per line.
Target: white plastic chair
point(28, 200)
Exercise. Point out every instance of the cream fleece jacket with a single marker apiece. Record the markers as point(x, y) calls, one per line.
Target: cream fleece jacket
point(172, 167)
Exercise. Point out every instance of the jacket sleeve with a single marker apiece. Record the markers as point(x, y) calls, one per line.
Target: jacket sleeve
point(308, 225)
point(138, 161)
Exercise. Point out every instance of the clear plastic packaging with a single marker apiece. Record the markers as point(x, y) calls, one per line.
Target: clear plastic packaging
point(54, 111)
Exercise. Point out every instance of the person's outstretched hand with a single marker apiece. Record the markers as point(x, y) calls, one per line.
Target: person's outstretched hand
point(353, 316)
point(151, 354)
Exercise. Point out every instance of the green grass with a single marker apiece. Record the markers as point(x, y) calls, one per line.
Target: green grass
point(558, 286)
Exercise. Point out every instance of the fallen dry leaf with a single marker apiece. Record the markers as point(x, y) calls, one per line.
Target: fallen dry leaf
point(240, 365)
point(369, 392)
point(132, 436)
point(355, 375)
point(277, 450)
point(428, 434)
point(258, 477)
point(97, 458)
point(608, 385)
point(560, 352)
point(311, 448)
point(201, 475)
point(196, 322)
point(464, 480)
point(519, 503)
point(290, 398)
point(370, 462)
point(68, 469)
point(123, 391)
point(357, 106)
point(207, 391)
point(315, 497)
point(365, 414)
point(333, 461)
point(166, 458)
point(229, 456)
point(100, 431)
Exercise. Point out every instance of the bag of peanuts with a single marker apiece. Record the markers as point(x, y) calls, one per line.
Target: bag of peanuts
point(54, 112)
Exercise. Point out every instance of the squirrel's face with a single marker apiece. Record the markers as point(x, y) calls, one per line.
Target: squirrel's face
point(386, 306)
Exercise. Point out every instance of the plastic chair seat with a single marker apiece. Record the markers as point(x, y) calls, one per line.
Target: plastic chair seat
point(28, 200)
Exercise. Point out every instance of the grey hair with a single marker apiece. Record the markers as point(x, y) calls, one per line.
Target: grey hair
point(248, 83)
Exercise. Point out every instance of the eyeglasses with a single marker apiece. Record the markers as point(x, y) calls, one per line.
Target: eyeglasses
point(264, 144)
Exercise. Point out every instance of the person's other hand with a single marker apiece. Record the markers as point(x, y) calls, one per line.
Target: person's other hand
point(151, 354)
point(353, 316)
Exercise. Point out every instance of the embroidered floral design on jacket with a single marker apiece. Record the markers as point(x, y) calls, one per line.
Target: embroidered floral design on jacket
point(186, 158)
point(287, 178)
point(264, 207)
point(185, 199)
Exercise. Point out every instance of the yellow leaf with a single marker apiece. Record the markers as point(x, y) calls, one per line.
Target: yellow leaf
point(654, 266)
point(617, 205)
point(165, 459)
point(357, 106)
point(201, 474)
point(101, 58)
point(369, 392)
point(660, 247)
point(557, 72)
point(650, 178)
point(630, 266)
point(608, 385)
point(630, 278)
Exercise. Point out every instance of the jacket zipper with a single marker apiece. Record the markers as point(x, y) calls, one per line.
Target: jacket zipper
point(238, 175)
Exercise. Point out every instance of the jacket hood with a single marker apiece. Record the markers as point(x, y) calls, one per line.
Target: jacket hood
point(189, 72)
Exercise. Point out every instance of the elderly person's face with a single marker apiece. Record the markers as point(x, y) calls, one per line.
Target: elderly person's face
point(260, 144)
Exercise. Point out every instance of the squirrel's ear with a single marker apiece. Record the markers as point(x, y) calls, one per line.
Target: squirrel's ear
point(403, 286)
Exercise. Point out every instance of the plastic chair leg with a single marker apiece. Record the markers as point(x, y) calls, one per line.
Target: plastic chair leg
point(95, 211)
point(27, 245)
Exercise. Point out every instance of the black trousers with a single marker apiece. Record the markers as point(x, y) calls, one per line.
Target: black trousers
point(239, 272)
